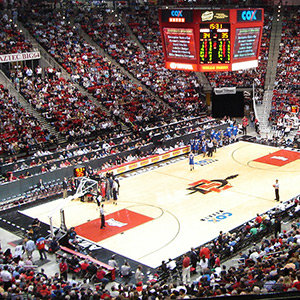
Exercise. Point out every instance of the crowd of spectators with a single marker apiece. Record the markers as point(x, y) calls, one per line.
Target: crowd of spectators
point(60, 102)
point(124, 99)
point(20, 130)
point(11, 39)
point(179, 89)
point(285, 102)
point(245, 78)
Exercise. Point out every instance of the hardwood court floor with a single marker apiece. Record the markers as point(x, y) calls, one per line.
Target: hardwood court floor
point(183, 218)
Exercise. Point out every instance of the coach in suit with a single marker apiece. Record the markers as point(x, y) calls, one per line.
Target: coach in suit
point(194, 258)
point(65, 188)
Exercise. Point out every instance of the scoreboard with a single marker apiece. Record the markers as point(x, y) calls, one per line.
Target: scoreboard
point(214, 43)
point(211, 40)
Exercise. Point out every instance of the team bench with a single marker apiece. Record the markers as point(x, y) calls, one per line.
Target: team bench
point(110, 270)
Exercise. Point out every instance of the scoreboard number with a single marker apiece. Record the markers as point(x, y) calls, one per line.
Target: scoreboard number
point(80, 171)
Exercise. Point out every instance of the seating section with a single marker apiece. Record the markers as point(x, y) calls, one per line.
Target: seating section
point(108, 153)
point(285, 101)
point(179, 89)
point(20, 131)
point(124, 99)
point(11, 39)
point(60, 102)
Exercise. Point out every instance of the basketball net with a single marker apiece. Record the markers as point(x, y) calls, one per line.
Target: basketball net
point(85, 185)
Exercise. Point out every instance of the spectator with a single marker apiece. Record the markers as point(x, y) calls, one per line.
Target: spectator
point(113, 263)
point(125, 269)
point(203, 264)
point(41, 246)
point(29, 247)
point(139, 276)
point(186, 274)
point(63, 269)
point(100, 276)
point(6, 277)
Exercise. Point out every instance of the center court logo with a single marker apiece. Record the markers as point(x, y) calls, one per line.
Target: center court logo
point(204, 186)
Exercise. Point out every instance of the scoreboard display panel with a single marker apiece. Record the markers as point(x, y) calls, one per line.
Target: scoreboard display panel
point(246, 42)
point(211, 40)
point(214, 43)
point(180, 43)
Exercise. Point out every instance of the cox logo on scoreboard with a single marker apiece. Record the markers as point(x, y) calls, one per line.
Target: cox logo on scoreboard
point(249, 15)
point(177, 15)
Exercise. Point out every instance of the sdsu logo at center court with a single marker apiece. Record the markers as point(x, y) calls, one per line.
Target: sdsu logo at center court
point(206, 186)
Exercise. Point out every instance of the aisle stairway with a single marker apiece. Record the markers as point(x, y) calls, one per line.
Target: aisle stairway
point(263, 110)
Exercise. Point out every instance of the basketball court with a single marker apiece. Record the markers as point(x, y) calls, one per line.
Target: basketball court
point(164, 212)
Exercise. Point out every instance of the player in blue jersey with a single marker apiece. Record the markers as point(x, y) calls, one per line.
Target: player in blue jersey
point(201, 134)
point(191, 161)
point(229, 133)
point(192, 144)
point(235, 130)
point(212, 134)
point(203, 148)
point(197, 146)
point(218, 138)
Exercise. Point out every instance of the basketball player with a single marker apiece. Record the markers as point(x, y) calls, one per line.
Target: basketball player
point(203, 147)
point(197, 145)
point(191, 161)
point(235, 130)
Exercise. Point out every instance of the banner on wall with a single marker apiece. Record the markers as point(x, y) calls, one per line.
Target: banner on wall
point(13, 57)
point(225, 90)
point(147, 161)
